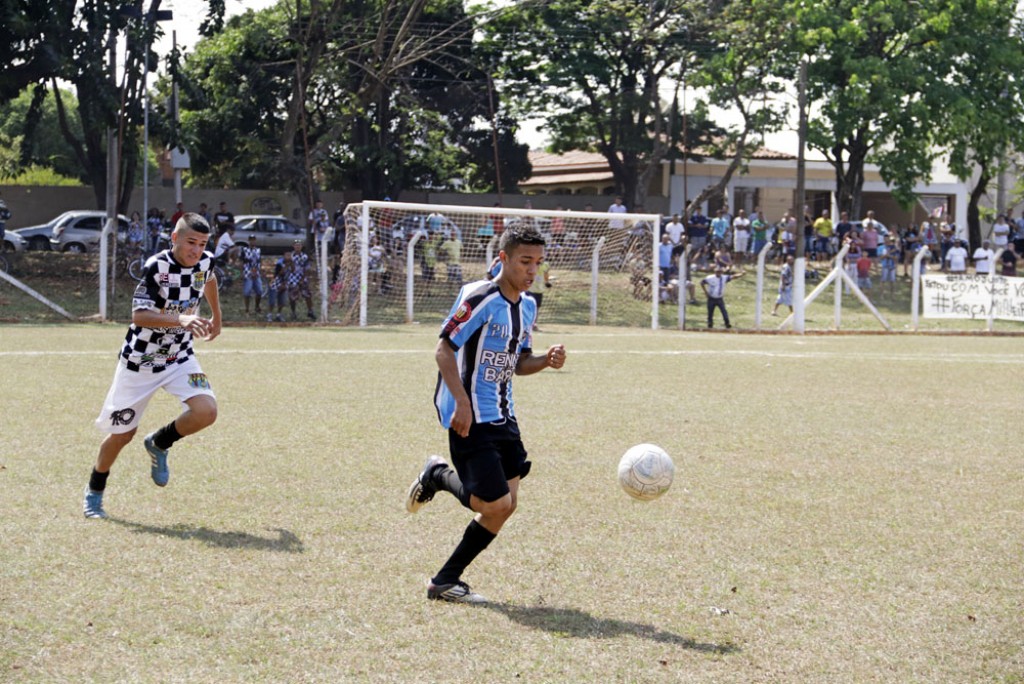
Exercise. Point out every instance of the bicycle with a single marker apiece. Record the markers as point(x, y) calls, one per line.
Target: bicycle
point(227, 273)
point(132, 261)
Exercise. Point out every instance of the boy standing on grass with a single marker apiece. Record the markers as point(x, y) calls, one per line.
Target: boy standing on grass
point(486, 339)
point(158, 353)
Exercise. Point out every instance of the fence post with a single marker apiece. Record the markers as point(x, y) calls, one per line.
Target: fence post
point(595, 262)
point(410, 264)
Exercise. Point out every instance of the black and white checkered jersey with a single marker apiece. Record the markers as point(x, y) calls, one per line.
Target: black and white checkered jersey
point(167, 287)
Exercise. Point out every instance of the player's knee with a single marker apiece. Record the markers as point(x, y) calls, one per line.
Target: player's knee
point(203, 410)
point(501, 508)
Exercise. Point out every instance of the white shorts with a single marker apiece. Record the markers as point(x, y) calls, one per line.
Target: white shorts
point(741, 240)
point(131, 391)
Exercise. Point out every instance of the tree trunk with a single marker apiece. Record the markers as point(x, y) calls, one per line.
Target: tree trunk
point(973, 215)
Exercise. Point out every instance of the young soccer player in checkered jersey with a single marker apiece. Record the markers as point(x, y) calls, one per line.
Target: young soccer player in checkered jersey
point(157, 353)
point(486, 339)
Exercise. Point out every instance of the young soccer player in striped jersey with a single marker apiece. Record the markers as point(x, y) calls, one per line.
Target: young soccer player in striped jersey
point(157, 353)
point(486, 339)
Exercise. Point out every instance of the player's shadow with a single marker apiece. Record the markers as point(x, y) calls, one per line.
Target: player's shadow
point(582, 625)
point(285, 540)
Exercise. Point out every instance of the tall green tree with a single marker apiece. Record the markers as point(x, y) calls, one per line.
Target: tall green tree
point(379, 96)
point(37, 130)
point(877, 83)
point(984, 101)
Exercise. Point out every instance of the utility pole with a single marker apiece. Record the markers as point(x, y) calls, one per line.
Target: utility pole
point(112, 178)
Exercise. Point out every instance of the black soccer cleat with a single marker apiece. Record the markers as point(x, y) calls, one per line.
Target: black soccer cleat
point(423, 488)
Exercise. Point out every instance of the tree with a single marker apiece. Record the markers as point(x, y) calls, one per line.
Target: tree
point(36, 131)
point(877, 80)
point(381, 97)
point(34, 45)
point(984, 100)
point(598, 71)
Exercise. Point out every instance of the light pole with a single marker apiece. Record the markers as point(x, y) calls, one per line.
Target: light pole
point(151, 19)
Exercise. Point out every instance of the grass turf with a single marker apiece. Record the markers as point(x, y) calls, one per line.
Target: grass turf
point(845, 509)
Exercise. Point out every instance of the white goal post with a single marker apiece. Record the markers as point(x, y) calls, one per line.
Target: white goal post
point(404, 262)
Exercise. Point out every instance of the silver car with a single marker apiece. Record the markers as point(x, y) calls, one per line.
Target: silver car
point(79, 231)
point(13, 242)
point(274, 234)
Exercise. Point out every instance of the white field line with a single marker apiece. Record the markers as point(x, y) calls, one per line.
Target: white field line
point(1012, 359)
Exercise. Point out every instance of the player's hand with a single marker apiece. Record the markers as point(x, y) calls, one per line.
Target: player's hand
point(462, 419)
point(214, 330)
point(197, 325)
point(556, 356)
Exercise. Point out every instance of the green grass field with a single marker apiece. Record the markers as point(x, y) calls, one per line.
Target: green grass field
point(846, 509)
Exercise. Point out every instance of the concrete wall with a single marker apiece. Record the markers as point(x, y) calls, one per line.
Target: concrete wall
point(34, 205)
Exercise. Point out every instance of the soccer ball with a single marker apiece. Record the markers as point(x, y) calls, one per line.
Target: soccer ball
point(646, 472)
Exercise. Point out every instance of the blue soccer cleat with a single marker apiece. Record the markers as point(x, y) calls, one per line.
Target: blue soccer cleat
point(92, 506)
point(158, 462)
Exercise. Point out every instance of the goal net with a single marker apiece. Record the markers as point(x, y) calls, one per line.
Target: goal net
point(405, 263)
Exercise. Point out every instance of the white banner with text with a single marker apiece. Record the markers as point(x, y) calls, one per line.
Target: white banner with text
point(973, 296)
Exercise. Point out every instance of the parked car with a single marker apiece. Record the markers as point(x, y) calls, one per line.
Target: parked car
point(79, 231)
point(274, 234)
point(882, 230)
point(13, 242)
point(37, 238)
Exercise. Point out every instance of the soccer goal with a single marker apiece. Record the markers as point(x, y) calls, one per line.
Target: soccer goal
point(405, 263)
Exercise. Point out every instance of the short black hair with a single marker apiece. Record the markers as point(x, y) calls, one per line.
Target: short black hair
point(521, 233)
point(192, 221)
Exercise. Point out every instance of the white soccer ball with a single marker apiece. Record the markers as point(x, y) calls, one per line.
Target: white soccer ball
point(646, 472)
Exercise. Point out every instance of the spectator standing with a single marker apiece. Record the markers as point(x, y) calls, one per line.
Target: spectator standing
point(136, 235)
point(983, 259)
point(1008, 262)
point(759, 232)
point(617, 207)
point(204, 211)
point(869, 240)
point(675, 230)
point(910, 244)
point(179, 211)
point(864, 273)
point(887, 256)
point(451, 249)
point(714, 289)
point(852, 257)
point(697, 232)
point(298, 281)
point(930, 239)
point(154, 226)
point(947, 232)
point(252, 276)
point(665, 261)
point(785, 297)
point(956, 258)
point(318, 223)
point(278, 288)
point(843, 227)
point(740, 234)
point(719, 229)
point(1000, 233)
point(223, 218)
point(822, 236)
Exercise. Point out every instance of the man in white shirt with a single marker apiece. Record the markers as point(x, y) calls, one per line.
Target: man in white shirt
point(983, 258)
point(740, 235)
point(1000, 233)
point(675, 229)
point(224, 244)
point(617, 208)
point(714, 290)
point(956, 258)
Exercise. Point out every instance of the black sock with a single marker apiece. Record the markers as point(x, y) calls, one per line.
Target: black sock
point(166, 436)
point(474, 540)
point(447, 479)
point(98, 480)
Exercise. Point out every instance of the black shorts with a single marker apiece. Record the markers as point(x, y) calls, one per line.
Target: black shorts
point(538, 296)
point(488, 458)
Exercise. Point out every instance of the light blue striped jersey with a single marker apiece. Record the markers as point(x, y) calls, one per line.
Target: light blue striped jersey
point(488, 333)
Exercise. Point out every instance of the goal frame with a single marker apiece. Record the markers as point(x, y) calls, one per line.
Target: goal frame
point(364, 239)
